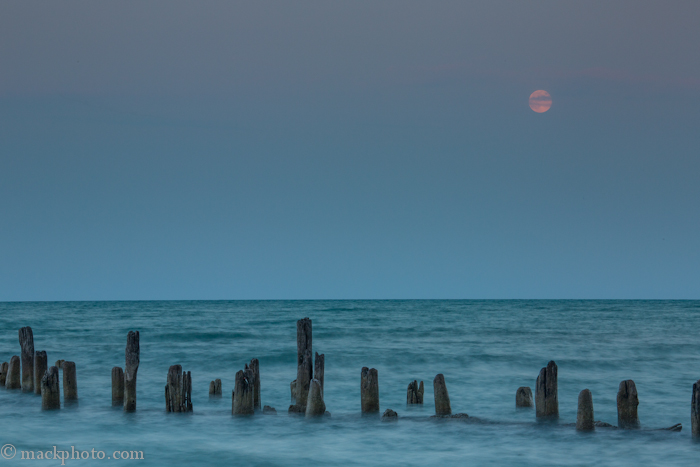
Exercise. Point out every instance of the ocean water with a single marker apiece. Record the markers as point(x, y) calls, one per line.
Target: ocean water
point(485, 349)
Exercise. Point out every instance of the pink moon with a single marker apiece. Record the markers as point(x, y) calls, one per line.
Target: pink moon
point(540, 101)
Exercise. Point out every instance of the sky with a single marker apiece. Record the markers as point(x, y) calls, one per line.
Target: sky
point(349, 150)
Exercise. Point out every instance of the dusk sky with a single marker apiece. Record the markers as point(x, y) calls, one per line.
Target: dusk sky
point(364, 149)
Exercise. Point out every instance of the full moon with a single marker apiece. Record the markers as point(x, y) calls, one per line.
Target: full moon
point(540, 101)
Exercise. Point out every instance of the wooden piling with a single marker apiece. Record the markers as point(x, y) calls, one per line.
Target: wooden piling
point(523, 397)
point(304, 361)
point(319, 367)
point(546, 392)
point(50, 390)
point(255, 369)
point(627, 402)
point(41, 364)
point(414, 393)
point(117, 386)
point(4, 368)
point(26, 341)
point(369, 390)
point(14, 376)
point(315, 406)
point(70, 383)
point(215, 388)
point(584, 415)
point(442, 398)
point(131, 369)
point(242, 395)
point(178, 390)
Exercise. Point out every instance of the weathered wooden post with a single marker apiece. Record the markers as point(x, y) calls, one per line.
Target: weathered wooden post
point(293, 390)
point(414, 393)
point(319, 364)
point(389, 416)
point(314, 405)
point(132, 367)
point(523, 397)
point(255, 370)
point(26, 341)
point(546, 397)
point(695, 410)
point(242, 395)
point(584, 415)
point(178, 390)
point(627, 402)
point(215, 388)
point(50, 390)
point(442, 398)
point(59, 364)
point(41, 364)
point(70, 383)
point(369, 390)
point(14, 377)
point(304, 362)
point(117, 386)
point(4, 367)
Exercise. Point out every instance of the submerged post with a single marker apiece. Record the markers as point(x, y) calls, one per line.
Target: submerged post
point(242, 395)
point(414, 393)
point(255, 370)
point(627, 402)
point(584, 415)
point(523, 397)
point(50, 390)
point(319, 364)
point(215, 388)
point(4, 367)
point(315, 406)
point(304, 363)
point(117, 386)
point(695, 410)
point(41, 364)
point(70, 383)
point(369, 390)
point(132, 367)
point(178, 390)
point(26, 341)
point(546, 397)
point(442, 398)
point(14, 378)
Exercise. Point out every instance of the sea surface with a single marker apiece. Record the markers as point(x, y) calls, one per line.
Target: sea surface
point(485, 349)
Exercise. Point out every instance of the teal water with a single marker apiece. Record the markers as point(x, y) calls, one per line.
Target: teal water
point(485, 349)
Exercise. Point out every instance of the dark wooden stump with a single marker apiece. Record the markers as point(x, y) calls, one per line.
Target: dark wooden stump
point(255, 369)
point(50, 390)
point(627, 402)
point(304, 362)
point(369, 390)
point(178, 390)
point(117, 386)
point(319, 367)
point(695, 410)
point(546, 392)
point(523, 397)
point(133, 352)
point(4, 368)
point(414, 393)
point(215, 388)
point(41, 364)
point(14, 375)
point(242, 395)
point(442, 398)
point(70, 382)
point(584, 415)
point(26, 341)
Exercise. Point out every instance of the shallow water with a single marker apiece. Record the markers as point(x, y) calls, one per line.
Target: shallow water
point(485, 349)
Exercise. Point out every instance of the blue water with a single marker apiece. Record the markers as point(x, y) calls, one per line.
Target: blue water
point(485, 349)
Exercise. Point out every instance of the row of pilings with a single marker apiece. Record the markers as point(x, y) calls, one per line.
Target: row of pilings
point(30, 372)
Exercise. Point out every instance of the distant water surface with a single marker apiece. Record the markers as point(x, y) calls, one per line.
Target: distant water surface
point(485, 349)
